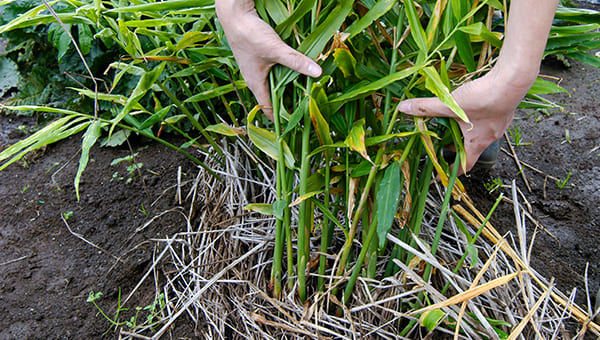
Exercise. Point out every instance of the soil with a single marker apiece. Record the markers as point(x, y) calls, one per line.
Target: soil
point(55, 250)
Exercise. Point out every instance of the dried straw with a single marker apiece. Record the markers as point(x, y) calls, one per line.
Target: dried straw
point(217, 274)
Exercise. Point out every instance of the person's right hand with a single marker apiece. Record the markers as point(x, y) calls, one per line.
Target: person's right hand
point(257, 47)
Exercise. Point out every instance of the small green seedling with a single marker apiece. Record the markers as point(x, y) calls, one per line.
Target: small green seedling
point(517, 135)
point(131, 168)
point(562, 184)
point(567, 137)
point(494, 185)
point(67, 215)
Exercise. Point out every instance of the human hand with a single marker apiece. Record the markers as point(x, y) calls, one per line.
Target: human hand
point(257, 47)
point(489, 102)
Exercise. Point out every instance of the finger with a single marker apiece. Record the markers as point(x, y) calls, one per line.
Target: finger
point(257, 83)
point(425, 107)
point(297, 61)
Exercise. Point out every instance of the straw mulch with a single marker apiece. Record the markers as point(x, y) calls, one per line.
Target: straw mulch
point(217, 274)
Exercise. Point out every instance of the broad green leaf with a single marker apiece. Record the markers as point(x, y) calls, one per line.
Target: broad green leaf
point(262, 208)
point(158, 22)
point(277, 11)
point(574, 29)
point(376, 85)
point(570, 41)
point(434, 83)
point(474, 253)
point(356, 139)
point(416, 30)
point(585, 58)
point(479, 30)
point(155, 118)
point(225, 130)
point(279, 208)
point(113, 98)
point(465, 50)
point(85, 38)
point(542, 86)
point(266, 141)
point(89, 139)
point(388, 195)
point(10, 75)
point(284, 29)
point(216, 92)
point(431, 319)
point(170, 5)
point(142, 87)
point(297, 116)
point(578, 15)
point(361, 169)
point(377, 11)
point(345, 61)
point(190, 39)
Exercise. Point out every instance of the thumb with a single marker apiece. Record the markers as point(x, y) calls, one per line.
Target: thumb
point(425, 107)
point(289, 57)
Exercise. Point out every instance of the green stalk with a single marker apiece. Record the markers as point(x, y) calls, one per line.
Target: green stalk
point(304, 211)
point(325, 229)
point(281, 196)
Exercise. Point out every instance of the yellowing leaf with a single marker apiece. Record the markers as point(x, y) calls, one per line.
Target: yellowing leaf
point(434, 83)
point(356, 139)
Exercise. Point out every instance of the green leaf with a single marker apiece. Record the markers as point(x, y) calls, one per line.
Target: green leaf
point(431, 319)
point(578, 15)
point(262, 208)
point(266, 141)
point(542, 86)
point(142, 87)
point(85, 38)
point(279, 208)
point(157, 117)
point(9, 75)
point(480, 30)
point(377, 11)
point(89, 139)
point(376, 85)
point(434, 83)
point(416, 30)
point(170, 5)
point(474, 253)
point(284, 29)
point(388, 195)
point(585, 58)
point(224, 129)
point(216, 92)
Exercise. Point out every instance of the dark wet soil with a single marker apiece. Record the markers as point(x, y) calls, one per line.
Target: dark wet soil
point(46, 270)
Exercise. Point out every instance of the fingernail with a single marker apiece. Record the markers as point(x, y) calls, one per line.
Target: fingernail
point(314, 70)
point(405, 106)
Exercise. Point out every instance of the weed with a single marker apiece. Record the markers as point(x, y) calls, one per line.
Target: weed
point(494, 185)
point(67, 215)
point(154, 311)
point(516, 135)
point(131, 168)
point(567, 137)
point(563, 183)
